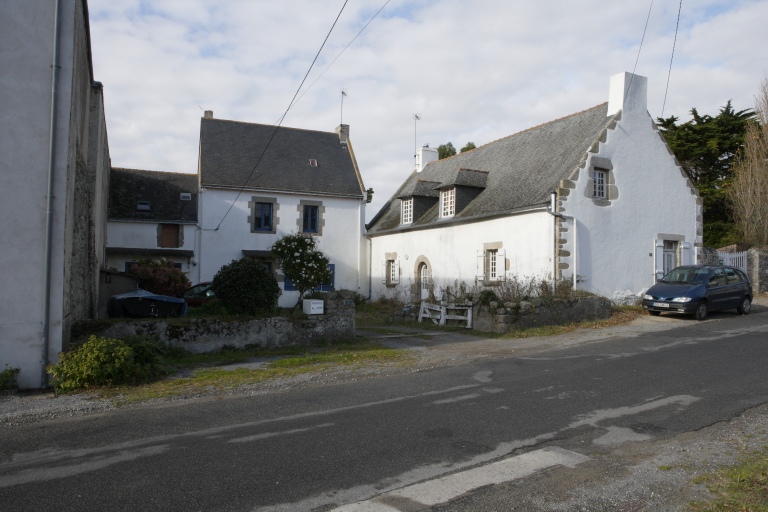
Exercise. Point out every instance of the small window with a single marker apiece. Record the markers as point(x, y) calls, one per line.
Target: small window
point(491, 265)
point(310, 219)
point(142, 206)
point(391, 269)
point(407, 210)
point(312, 162)
point(448, 202)
point(185, 196)
point(262, 217)
point(600, 179)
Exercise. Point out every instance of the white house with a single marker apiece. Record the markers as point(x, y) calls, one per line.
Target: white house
point(259, 183)
point(54, 174)
point(595, 198)
point(152, 215)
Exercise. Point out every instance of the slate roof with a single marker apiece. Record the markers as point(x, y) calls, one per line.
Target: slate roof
point(229, 150)
point(522, 170)
point(162, 190)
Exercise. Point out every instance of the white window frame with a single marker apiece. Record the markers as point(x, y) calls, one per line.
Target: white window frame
point(448, 202)
point(390, 272)
point(600, 179)
point(406, 211)
point(492, 265)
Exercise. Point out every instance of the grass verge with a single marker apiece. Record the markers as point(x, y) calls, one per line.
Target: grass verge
point(207, 373)
point(741, 487)
point(620, 315)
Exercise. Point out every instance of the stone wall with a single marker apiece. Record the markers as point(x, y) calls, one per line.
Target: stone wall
point(504, 317)
point(200, 335)
point(757, 270)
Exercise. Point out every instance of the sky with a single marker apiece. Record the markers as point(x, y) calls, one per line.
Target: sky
point(473, 70)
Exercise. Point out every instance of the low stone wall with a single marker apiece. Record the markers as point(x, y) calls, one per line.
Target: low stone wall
point(200, 335)
point(503, 317)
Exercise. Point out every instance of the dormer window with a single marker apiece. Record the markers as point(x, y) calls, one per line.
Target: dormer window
point(142, 206)
point(447, 202)
point(406, 211)
point(185, 196)
point(312, 162)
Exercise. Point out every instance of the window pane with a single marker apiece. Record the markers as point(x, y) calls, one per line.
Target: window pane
point(262, 216)
point(310, 219)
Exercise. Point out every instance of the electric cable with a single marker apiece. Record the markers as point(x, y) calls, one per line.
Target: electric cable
point(669, 74)
point(277, 126)
point(645, 29)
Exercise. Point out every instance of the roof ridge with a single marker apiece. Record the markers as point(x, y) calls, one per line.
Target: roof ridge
point(265, 125)
point(128, 169)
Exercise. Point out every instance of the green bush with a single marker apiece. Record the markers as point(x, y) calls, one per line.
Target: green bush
point(246, 287)
point(8, 378)
point(110, 362)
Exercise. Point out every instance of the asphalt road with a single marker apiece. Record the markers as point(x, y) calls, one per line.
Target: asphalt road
point(407, 442)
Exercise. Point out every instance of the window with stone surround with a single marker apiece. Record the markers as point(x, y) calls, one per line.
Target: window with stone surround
point(263, 217)
point(311, 219)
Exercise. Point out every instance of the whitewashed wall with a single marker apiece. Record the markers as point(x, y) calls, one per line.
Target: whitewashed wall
point(341, 240)
point(452, 252)
point(614, 245)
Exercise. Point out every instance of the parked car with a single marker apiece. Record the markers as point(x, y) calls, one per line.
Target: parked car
point(697, 290)
point(198, 294)
point(143, 304)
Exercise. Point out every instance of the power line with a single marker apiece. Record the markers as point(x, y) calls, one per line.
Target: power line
point(669, 74)
point(274, 132)
point(645, 29)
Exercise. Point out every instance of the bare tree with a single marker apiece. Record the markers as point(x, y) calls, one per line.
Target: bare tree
point(748, 192)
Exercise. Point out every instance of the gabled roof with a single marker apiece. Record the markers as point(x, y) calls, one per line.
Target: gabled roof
point(162, 190)
point(229, 151)
point(522, 170)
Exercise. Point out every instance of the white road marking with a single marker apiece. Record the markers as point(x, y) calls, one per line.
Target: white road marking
point(266, 435)
point(441, 490)
point(461, 398)
point(484, 376)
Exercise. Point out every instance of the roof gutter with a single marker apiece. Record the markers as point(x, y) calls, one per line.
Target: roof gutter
point(49, 199)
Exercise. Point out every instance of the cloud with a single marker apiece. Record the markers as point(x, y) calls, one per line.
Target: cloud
point(475, 70)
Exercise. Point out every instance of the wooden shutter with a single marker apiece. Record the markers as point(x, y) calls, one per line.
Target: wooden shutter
point(658, 259)
point(480, 271)
point(501, 264)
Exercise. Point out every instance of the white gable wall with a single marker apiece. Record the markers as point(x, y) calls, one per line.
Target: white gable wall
point(451, 253)
point(341, 240)
point(143, 235)
point(614, 244)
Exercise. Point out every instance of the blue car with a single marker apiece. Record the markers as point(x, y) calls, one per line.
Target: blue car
point(697, 290)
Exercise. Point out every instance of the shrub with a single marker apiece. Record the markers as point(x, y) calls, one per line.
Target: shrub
point(110, 362)
point(98, 362)
point(302, 262)
point(160, 277)
point(246, 287)
point(8, 379)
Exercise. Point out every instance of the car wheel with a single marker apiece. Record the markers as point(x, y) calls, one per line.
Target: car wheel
point(745, 306)
point(654, 313)
point(701, 311)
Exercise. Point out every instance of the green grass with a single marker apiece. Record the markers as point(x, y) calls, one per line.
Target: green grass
point(741, 487)
point(620, 315)
point(209, 374)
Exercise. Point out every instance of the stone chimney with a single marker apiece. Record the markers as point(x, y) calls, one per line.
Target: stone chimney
point(208, 114)
point(629, 93)
point(343, 131)
point(425, 155)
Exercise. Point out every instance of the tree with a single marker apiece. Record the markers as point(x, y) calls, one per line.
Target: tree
point(445, 150)
point(160, 277)
point(706, 147)
point(246, 287)
point(468, 146)
point(302, 262)
point(748, 193)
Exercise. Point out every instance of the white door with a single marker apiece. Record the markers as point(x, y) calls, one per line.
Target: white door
point(424, 281)
point(670, 256)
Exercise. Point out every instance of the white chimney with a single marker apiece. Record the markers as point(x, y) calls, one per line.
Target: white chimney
point(208, 114)
point(425, 155)
point(629, 93)
point(343, 131)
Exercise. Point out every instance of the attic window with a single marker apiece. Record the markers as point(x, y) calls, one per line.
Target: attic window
point(185, 196)
point(142, 206)
point(312, 162)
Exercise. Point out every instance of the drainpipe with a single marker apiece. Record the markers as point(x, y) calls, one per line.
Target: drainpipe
point(49, 199)
point(552, 210)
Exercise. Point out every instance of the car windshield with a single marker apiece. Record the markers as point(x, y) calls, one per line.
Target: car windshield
point(686, 275)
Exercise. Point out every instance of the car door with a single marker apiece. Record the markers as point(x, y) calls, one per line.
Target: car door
point(717, 290)
point(736, 287)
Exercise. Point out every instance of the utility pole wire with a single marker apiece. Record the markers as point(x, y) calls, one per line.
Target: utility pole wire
point(669, 74)
point(242, 188)
point(645, 29)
